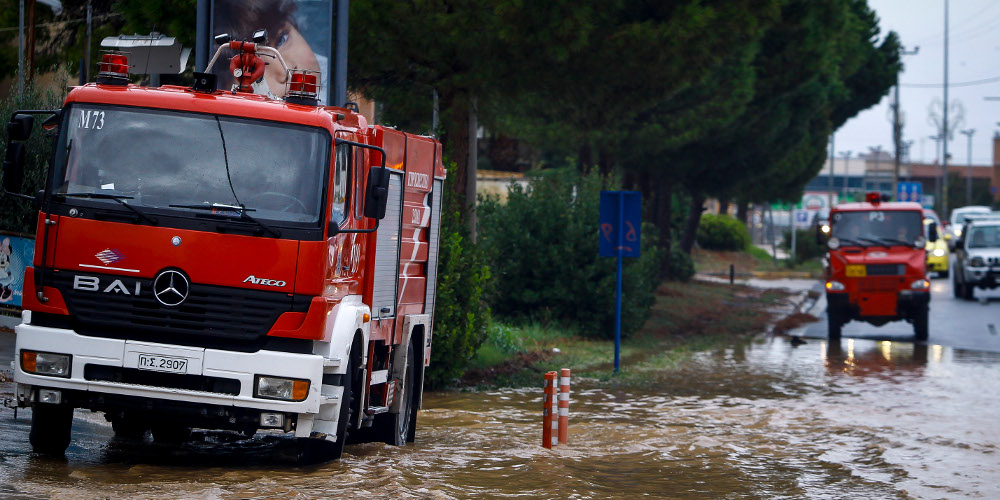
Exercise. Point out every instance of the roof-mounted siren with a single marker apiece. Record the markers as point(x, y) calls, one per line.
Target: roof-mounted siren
point(303, 87)
point(875, 197)
point(154, 54)
point(113, 68)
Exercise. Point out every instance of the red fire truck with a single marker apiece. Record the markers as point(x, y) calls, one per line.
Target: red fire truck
point(876, 265)
point(223, 260)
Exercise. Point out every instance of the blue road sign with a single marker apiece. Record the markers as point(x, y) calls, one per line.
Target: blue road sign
point(621, 213)
point(909, 191)
point(620, 223)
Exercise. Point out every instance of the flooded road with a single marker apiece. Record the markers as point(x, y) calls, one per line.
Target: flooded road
point(864, 418)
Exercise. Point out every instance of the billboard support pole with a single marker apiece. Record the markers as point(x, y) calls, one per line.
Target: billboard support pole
point(339, 96)
point(203, 36)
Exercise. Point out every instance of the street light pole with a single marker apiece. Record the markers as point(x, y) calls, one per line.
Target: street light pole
point(944, 121)
point(843, 186)
point(937, 157)
point(968, 169)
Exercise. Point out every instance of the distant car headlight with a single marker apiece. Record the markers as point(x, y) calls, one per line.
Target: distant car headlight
point(825, 228)
point(920, 284)
point(938, 252)
point(977, 262)
point(834, 286)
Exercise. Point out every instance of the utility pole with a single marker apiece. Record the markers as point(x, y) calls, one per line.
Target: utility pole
point(833, 156)
point(20, 47)
point(968, 169)
point(845, 155)
point(944, 127)
point(897, 127)
point(937, 157)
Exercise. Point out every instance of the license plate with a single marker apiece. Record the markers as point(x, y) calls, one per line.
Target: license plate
point(162, 363)
point(855, 270)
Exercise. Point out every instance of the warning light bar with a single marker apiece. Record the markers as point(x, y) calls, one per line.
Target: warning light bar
point(874, 198)
point(303, 87)
point(113, 68)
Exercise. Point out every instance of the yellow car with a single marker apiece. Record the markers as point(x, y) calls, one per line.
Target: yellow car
point(937, 251)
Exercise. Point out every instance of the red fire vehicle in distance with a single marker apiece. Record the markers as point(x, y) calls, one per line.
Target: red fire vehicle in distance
point(876, 265)
point(223, 260)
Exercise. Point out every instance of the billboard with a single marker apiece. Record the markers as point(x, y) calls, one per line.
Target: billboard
point(15, 254)
point(301, 30)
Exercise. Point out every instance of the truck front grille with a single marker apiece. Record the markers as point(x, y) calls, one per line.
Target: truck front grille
point(211, 316)
point(886, 269)
point(133, 376)
point(879, 284)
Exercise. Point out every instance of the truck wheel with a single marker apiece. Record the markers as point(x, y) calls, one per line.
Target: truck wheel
point(833, 325)
point(920, 324)
point(129, 427)
point(50, 428)
point(172, 434)
point(314, 450)
point(398, 426)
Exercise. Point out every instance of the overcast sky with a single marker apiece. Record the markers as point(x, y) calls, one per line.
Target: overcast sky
point(973, 73)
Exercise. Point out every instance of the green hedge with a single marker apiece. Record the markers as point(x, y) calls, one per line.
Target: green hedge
point(806, 246)
point(542, 248)
point(722, 232)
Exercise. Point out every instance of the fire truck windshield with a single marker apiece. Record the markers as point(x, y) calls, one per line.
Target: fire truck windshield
point(877, 227)
point(168, 160)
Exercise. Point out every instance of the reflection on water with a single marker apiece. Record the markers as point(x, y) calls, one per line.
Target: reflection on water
point(857, 418)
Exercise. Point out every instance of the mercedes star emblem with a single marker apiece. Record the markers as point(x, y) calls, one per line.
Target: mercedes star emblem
point(171, 287)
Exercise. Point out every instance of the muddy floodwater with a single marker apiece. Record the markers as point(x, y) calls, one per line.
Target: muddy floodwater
point(863, 419)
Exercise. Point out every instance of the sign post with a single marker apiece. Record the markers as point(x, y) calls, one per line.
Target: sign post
point(619, 237)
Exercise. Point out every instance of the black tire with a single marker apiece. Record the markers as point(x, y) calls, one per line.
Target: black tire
point(315, 450)
point(398, 428)
point(171, 434)
point(833, 325)
point(968, 292)
point(51, 427)
point(921, 324)
point(943, 274)
point(129, 427)
point(956, 287)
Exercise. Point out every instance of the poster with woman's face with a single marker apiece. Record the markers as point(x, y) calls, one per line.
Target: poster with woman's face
point(301, 30)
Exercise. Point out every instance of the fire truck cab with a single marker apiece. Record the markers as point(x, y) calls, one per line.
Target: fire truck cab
point(223, 260)
point(876, 265)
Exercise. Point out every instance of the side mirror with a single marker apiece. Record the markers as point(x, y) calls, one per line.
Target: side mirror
point(377, 193)
point(13, 167)
point(932, 232)
point(19, 127)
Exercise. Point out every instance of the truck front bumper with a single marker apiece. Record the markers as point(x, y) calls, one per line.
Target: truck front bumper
point(908, 304)
point(103, 369)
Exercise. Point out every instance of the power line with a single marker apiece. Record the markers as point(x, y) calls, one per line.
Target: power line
point(958, 84)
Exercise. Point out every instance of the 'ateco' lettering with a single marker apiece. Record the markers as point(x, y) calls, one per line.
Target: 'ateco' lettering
point(263, 281)
point(414, 179)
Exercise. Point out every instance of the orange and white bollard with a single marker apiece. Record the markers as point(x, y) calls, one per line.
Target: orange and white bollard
point(549, 421)
point(563, 405)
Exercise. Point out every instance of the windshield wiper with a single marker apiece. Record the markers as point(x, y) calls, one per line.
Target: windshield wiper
point(237, 208)
point(117, 197)
point(895, 241)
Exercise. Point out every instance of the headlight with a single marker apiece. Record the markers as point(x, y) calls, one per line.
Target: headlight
point(46, 363)
point(977, 262)
point(958, 232)
point(938, 252)
point(833, 243)
point(288, 389)
point(825, 228)
point(834, 286)
point(921, 284)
